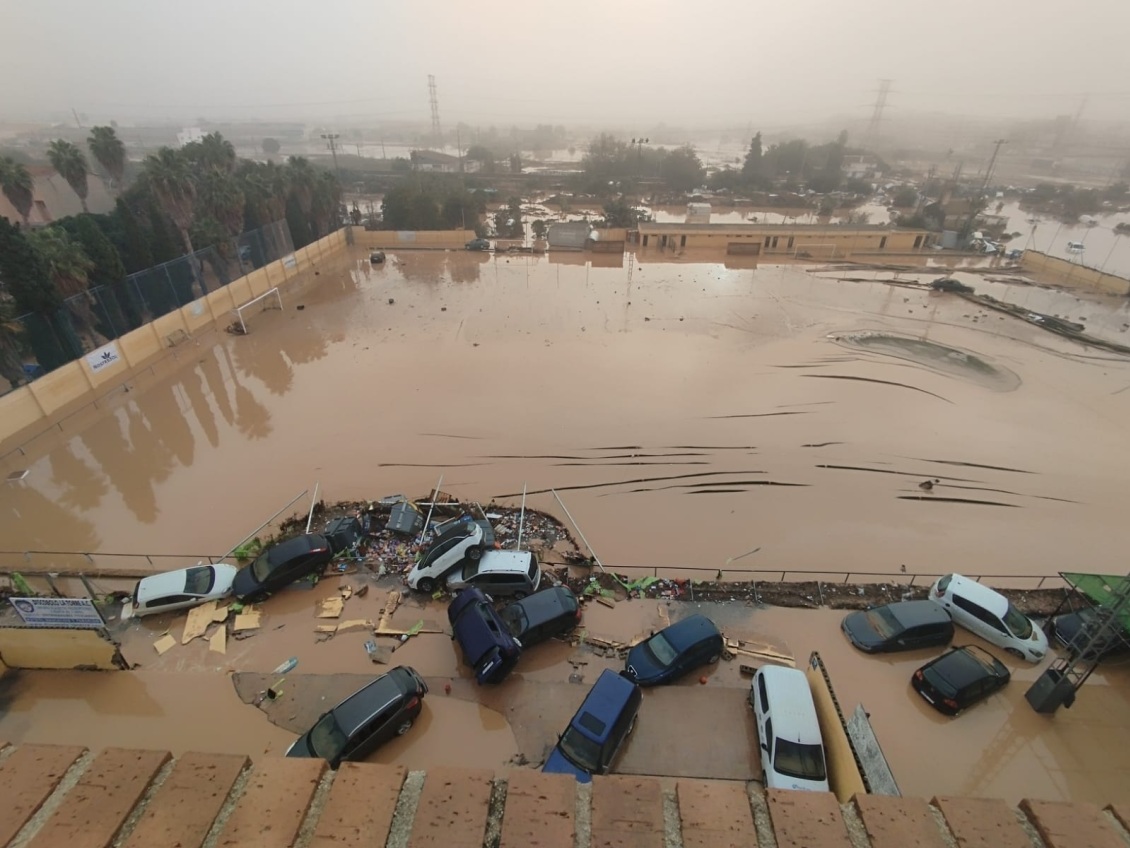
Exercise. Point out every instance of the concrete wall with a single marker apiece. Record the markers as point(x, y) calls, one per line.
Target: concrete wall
point(1052, 269)
point(72, 384)
point(43, 647)
point(418, 240)
point(785, 240)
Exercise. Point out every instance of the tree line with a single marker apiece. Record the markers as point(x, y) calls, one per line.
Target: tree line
point(181, 200)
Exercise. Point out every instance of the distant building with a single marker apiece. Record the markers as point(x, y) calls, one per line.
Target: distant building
point(53, 198)
point(570, 235)
point(859, 167)
point(698, 213)
point(189, 135)
point(443, 163)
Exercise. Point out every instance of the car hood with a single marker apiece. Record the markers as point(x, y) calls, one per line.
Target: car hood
point(244, 583)
point(641, 665)
point(858, 629)
point(558, 763)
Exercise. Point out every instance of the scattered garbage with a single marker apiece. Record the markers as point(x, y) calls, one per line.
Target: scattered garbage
point(286, 666)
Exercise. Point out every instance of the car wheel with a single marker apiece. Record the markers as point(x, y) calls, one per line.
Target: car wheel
point(404, 726)
point(474, 553)
point(519, 595)
point(1015, 652)
point(426, 584)
point(713, 659)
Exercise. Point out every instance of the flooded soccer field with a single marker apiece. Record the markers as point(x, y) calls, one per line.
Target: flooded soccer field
point(687, 414)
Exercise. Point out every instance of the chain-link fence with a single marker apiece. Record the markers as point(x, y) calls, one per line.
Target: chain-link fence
point(38, 343)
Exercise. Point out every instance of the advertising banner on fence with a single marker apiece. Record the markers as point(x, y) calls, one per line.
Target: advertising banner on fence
point(289, 261)
point(73, 613)
point(104, 357)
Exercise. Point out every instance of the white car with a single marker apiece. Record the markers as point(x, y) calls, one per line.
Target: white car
point(463, 541)
point(990, 615)
point(176, 590)
point(514, 573)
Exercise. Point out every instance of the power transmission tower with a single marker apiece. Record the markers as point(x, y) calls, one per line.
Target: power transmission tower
point(437, 133)
point(877, 112)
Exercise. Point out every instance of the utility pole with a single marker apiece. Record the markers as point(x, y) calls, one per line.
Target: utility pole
point(980, 198)
point(78, 123)
point(433, 98)
point(331, 138)
point(872, 134)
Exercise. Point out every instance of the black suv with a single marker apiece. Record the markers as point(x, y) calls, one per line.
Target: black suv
point(542, 615)
point(366, 719)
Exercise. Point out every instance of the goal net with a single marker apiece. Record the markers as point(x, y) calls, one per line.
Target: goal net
point(815, 251)
point(270, 299)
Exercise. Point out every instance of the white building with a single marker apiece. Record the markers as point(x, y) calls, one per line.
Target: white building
point(189, 135)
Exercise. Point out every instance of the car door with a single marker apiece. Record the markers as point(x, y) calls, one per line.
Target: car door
point(760, 712)
point(972, 617)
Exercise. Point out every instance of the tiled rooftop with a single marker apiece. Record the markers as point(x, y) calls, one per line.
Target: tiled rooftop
point(67, 797)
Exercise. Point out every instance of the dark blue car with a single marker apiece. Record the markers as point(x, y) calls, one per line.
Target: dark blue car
point(598, 730)
point(674, 650)
point(488, 647)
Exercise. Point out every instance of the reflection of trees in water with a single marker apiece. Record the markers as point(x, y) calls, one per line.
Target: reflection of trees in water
point(305, 345)
point(162, 410)
point(83, 487)
point(194, 388)
point(251, 418)
point(149, 462)
point(420, 268)
point(46, 525)
point(110, 449)
point(465, 267)
point(210, 368)
point(260, 356)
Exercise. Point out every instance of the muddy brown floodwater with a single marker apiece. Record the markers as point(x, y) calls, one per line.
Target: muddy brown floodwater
point(688, 413)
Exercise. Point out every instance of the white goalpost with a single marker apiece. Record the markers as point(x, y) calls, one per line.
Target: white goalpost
point(815, 251)
point(264, 297)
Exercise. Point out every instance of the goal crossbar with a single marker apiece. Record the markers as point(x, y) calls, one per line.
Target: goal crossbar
point(273, 292)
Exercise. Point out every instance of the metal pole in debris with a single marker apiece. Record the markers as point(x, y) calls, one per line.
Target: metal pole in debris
point(522, 516)
point(431, 506)
point(265, 523)
point(313, 503)
point(572, 521)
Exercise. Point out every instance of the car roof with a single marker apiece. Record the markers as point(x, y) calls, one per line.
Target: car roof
point(546, 604)
point(295, 546)
point(605, 701)
point(369, 700)
point(918, 613)
point(479, 628)
point(504, 562)
point(689, 631)
point(979, 593)
point(967, 664)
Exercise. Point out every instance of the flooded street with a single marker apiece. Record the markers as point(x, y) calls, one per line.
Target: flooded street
point(687, 414)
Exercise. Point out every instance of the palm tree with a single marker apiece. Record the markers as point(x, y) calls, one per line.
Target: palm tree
point(222, 198)
point(66, 262)
point(327, 202)
point(212, 151)
point(18, 186)
point(170, 179)
point(108, 149)
point(302, 181)
point(68, 160)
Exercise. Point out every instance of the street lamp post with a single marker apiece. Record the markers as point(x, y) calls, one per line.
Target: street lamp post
point(332, 138)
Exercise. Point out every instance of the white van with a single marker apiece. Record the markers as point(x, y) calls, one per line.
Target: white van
point(792, 749)
point(989, 614)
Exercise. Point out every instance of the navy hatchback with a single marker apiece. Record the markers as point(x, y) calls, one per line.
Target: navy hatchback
point(598, 730)
point(487, 644)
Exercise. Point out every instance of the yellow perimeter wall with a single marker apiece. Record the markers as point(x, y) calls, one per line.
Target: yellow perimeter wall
point(38, 401)
point(426, 240)
point(42, 647)
point(785, 240)
point(1052, 269)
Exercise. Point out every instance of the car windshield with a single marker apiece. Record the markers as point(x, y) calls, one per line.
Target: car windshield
point(471, 568)
point(1017, 623)
point(515, 618)
point(580, 750)
point(661, 649)
point(801, 761)
point(199, 581)
point(262, 566)
point(883, 621)
point(327, 739)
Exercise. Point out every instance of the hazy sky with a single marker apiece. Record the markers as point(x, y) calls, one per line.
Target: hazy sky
point(610, 62)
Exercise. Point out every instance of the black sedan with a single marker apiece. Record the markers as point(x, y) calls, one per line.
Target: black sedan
point(543, 615)
point(280, 565)
point(959, 678)
point(1074, 631)
point(901, 626)
point(366, 719)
